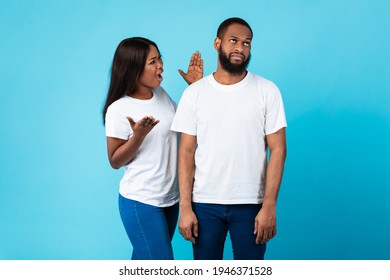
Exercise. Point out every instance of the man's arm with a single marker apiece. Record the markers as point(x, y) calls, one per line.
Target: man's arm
point(188, 223)
point(265, 222)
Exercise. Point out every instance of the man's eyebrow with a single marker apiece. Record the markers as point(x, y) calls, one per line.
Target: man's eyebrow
point(235, 37)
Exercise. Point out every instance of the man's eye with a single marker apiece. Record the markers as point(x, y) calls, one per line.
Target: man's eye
point(247, 44)
point(233, 40)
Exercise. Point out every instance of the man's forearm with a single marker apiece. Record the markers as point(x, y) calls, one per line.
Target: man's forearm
point(186, 170)
point(274, 176)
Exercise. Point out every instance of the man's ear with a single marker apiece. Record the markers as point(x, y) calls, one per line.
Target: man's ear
point(217, 43)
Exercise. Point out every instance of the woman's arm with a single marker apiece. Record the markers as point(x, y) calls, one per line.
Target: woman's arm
point(195, 69)
point(121, 152)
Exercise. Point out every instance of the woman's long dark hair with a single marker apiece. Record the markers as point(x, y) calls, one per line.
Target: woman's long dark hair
point(127, 66)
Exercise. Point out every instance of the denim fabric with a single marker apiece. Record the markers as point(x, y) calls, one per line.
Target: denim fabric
point(149, 228)
point(216, 220)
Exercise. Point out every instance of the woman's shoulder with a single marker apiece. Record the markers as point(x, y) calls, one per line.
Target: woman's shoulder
point(118, 105)
point(160, 91)
point(161, 94)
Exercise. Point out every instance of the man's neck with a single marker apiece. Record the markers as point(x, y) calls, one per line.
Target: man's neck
point(226, 78)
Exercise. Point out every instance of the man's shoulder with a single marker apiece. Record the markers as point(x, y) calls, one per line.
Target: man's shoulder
point(262, 82)
point(259, 78)
point(200, 82)
point(196, 87)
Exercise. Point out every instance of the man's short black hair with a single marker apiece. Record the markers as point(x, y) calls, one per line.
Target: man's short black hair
point(226, 23)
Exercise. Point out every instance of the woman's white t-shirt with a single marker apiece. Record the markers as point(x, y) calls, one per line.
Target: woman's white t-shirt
point(151, 176)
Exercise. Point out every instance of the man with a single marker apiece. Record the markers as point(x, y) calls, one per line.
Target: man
point(228, 121)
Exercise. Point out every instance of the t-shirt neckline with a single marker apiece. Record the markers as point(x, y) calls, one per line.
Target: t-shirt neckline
point(229, 87)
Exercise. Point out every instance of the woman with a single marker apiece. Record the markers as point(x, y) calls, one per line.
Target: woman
point(138, 115)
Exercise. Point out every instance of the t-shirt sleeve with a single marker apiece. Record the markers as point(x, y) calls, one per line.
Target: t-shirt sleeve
point(185, 117)
point(275, 117)
point(117, 125)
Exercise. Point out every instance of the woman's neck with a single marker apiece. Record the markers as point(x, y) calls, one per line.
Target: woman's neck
point(143, 94)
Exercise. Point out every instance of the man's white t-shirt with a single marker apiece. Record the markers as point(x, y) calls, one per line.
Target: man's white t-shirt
point(230, 123)
point(151, 176)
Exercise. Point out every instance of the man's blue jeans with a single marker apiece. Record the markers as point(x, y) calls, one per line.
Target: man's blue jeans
point(149, 228)
point(215, 220)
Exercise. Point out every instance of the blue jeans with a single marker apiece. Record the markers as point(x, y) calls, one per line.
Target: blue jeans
point(215, 220)
point(149, 228)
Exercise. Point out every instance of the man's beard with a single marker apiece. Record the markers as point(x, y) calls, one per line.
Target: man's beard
point(234, 69)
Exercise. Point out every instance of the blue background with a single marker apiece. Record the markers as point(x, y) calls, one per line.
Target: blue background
point(330, 59)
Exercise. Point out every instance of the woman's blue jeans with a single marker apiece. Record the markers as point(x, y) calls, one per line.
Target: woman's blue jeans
point(215, 220)
point(149, 228)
